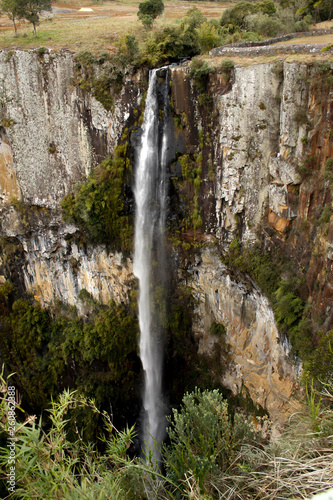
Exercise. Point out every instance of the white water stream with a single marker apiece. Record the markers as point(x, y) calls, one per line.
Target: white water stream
point(150, 198)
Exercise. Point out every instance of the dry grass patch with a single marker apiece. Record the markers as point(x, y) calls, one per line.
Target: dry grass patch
point(312, 40)
point(97, 30)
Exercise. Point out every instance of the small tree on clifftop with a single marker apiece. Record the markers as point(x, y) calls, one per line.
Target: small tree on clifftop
point(24, 9)
point(149, 10)
point(33, 8)
point(14, 9)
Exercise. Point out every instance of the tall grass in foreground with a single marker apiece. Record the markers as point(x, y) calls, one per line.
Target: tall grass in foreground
point(50, 466)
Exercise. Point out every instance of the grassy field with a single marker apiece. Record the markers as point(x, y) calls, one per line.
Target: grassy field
point(99, 29)
point(96, 30)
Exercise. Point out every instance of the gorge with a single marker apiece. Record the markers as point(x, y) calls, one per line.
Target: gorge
point(247, 164)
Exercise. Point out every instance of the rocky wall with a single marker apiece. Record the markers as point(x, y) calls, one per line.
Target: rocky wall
point(256, 144)
point(258, 353)
point(52, 133)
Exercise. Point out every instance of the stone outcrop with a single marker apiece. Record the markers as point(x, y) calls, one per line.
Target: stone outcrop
point(54, 132)
point(259, 354)
point(257, 142)
point(58, 266)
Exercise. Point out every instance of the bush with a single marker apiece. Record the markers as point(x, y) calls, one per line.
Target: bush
point(235, 16)
point(203, 436)
point(208, 36)
point(328, 173)
point(200, 71)
point(226, 67)
point(320, 363)
point(326, 214)
point(266, 7)
point(170, 44)
point(263, 24)
point(49, 352)
point(193, 19)
point(288, 308)
point(128, 51)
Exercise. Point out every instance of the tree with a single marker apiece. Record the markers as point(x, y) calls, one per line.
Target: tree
point(149, 10)
point(14, 9)
point(32, 9)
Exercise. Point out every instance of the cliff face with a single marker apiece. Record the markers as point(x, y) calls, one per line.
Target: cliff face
point(266, 142)
point(257, 143)
point(258, 354)
point(52, 133)
point(262, 122)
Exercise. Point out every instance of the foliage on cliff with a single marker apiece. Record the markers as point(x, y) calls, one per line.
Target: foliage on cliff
point(284, 284)
point(51, 349)
point(102, 206)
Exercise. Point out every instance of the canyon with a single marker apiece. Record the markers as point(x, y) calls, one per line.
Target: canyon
point(256, 138)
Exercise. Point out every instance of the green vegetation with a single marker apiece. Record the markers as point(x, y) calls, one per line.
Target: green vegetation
point(284, 284)
point(52, 349)
point(203, 437)
point(263, 19)
point(12, 8)
point(102, 86)
point(100, 206)
point(211, 453)
point(189, 189)
point(328, 173)
point(245, 21)
point(149, 10)
point(200, 71)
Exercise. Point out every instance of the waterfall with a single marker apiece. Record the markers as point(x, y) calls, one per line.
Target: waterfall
point(149, 252)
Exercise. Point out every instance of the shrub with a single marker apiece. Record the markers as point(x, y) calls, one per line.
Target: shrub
point(128, 51)
point(320, 363)
point(328, 173)
point(202, 436)
point(170, 44)
point(53, 466)
point(200, 71)
point(288, 308)
point(208, 36)
point(227, 66)
point(193, 19)
point(263, 24)
point(326, 214)
point(301, 117)
point(266, 7)
point(235, 16)
point(48, 352)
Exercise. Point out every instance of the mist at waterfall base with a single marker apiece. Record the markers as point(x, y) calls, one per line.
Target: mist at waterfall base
point(150, 259)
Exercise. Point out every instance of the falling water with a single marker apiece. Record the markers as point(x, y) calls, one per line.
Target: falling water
point(150, 197)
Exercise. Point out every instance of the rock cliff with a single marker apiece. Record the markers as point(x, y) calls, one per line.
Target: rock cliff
point(257, 126)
